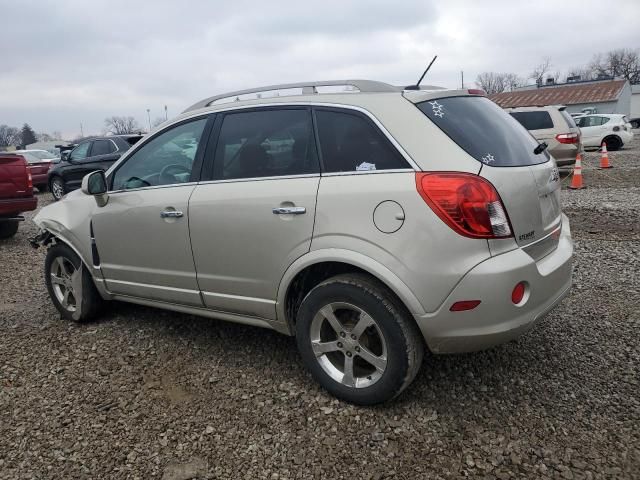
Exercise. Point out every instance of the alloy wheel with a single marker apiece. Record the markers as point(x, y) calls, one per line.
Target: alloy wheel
point(63, 277)
point(57, 189)
point(348, 345)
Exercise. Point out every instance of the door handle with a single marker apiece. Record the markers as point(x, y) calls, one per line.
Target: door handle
point(171, 214)
point(289, 210)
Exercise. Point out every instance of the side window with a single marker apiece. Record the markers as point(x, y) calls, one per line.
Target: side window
point(350, 143)
point(163, 160)
point(80, 152)
point(265, 144)
point(604, 120)
point(102, 147)
point(592, 121)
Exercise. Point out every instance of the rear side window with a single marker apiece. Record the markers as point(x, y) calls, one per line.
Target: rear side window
point(533, 120)
point(102, 147)
point(350, 143)
point(265, 143)
point(484, 131)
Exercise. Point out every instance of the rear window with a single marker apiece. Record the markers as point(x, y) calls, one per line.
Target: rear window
point(533, 120)
point(484, 131)
point(568, 118)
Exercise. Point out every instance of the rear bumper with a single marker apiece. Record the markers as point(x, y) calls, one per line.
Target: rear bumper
point(13, 206)
point(565, 154)
point(497, 320)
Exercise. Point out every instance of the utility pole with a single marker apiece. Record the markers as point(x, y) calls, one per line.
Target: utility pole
point(149, 118)
point(461, 78)
point(166, 117)
point(81, 131)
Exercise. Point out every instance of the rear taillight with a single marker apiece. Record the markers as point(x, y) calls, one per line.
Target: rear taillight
point(469, 204)
point(28, 172)
point(567, 137)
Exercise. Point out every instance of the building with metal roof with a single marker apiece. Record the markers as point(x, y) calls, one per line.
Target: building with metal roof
point(602, 96)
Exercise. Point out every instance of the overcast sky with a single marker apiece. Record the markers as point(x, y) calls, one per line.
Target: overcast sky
point(64, 62)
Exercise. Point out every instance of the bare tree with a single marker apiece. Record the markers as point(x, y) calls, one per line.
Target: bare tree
point(512, 81)
point(585, 72)
point(623, 62)
point(121, 125)
point(539, 71)
point(493, 82)
point(9, 136)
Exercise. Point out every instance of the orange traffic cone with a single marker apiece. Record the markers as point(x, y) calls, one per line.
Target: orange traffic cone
point(604, 157)
point(576, 179)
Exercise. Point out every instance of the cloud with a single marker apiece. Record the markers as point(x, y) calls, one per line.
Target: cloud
point(70, 61)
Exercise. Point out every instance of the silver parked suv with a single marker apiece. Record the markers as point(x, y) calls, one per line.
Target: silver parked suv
point(368, 220)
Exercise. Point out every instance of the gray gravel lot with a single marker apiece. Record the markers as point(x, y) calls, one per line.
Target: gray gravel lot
point(144, 393)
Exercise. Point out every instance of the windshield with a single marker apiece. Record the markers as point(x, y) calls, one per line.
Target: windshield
point(484, 131)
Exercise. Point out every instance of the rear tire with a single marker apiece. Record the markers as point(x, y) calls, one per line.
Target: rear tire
point(56, 187)
point(357, 340)
point(613, 143)
point(8, 229)
point(70, 285)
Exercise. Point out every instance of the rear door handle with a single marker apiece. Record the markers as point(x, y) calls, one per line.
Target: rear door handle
point(171, 214)
point(289, 210)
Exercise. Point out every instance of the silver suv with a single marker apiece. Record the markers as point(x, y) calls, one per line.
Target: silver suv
point(554, 126)
point(368, 220)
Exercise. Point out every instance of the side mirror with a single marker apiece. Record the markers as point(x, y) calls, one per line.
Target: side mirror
point(95, 183)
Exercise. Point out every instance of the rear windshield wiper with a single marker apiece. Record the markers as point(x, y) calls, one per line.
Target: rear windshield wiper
point(542, 146)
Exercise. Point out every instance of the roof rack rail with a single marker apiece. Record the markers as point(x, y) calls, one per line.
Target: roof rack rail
point(301, 88)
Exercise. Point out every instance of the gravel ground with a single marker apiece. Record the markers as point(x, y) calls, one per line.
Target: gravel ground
point(144, 393)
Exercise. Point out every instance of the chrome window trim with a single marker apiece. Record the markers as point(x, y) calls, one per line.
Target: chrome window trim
point(368, 172)
point(257, 179)
point(151, 187)
point(200, 113)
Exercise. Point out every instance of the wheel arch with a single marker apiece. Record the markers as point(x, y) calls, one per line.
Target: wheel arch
point(613, 136)
point(58, 235)
point(316, 266)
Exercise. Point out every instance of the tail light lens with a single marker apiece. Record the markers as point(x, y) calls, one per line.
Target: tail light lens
point(567, 138)
point(29, 177)
point(469, 204)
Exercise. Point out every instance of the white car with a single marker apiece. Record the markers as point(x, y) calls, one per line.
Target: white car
point(614, 129)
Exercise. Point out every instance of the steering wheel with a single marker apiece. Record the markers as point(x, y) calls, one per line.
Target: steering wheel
point(168, 173)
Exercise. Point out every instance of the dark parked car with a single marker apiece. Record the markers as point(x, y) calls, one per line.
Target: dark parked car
point(16, 193)
point(94, 153)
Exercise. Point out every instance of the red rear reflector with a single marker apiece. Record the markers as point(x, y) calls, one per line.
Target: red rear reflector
point(476, 91)
point(469, 204)
point(463, 305)
point(518, 293)
point(567, 138)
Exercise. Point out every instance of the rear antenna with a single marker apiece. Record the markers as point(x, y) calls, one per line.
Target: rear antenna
point(417, 85)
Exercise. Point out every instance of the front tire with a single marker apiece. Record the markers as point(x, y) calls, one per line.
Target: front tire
point(8, 229)
point(56, 187)
point(70, 285)
point(357, 341)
